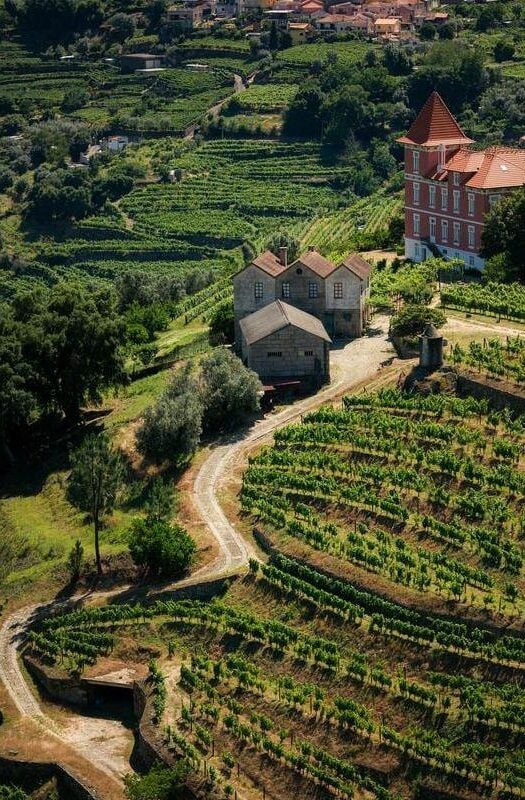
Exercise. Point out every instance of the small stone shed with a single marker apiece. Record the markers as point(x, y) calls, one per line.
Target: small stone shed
point(281, 341)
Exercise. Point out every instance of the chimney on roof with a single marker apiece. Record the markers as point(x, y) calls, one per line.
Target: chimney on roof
point(283, 256)
point(312, 248)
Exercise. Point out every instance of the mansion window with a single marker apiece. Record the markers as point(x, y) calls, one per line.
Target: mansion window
point(471, 236)
point(444, 230)
point(444, 199)
point(313, 289)
point(275, 354)
point(285, 291)
point(416, 223)
point(455, 178)
point(338, 290)
point(415, 187)
point(456, 201)
point(457, 232)
point(258, 290)
point(470, 197)
point(415, 162)
point(493, 199)
point(433, 227)
point(432, 196)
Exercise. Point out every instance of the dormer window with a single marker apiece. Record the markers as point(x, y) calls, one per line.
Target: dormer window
point(415, 161)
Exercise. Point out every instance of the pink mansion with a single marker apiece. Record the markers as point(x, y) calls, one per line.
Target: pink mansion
point(449, 187)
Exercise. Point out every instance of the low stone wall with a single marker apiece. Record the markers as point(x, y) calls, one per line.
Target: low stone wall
point(499, 393)
point(63, 688)
point(30, 775)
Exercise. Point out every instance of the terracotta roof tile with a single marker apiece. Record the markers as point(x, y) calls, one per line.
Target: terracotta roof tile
point(276, 316)
point(501, 168)
point(269, 263)
point(435, 125)
point(356, 264)
point(316, 262)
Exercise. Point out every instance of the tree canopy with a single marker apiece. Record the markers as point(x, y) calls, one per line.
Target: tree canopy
point(504, 234)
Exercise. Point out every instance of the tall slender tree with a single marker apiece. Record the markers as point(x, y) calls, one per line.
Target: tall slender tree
point(96, 478)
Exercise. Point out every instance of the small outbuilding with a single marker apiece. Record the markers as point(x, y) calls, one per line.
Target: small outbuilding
point(280, 341)
point(431, 348)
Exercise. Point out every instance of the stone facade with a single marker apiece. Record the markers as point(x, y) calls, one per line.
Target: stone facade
point(289, 353)
point(338, 295)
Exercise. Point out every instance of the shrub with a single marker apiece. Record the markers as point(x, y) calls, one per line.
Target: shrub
point(230, 391)
point(164, 549)
point(412, 320)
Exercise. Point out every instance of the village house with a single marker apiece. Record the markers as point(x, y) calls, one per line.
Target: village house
point(280, 341)
point(450, 188)
point(337, 294)
point(338, 23)
point(185, 18)
point(299, 32)
point(387, 26)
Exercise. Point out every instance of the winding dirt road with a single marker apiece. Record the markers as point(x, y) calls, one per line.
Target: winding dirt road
point(353, 364)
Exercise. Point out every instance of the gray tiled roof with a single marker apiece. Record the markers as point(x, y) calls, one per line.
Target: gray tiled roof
point(278, 315)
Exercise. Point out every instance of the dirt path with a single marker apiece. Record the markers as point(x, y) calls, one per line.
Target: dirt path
point(351, 365)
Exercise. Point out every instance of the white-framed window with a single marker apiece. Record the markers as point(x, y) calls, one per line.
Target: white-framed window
point(275, 354)
point(455, 178)
point(444, 198)
point(471, 203)
point(471, 233)
point(258, 290)
point(432, 196)
point(415, 193)
point(457, 233)
point(416, 222)
point(493, 199)
point(432, 223)
point(313, 289)
point(338, 290)
point(444, 230)
point(455, 201)
point(415, 162)
point(285, 290)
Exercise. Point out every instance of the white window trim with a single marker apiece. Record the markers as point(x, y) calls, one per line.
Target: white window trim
point(448, 216)
point(444, 199)
point(444, 230)
point(432, 196)
point(471, 204)
point(416, 192)
point(471, 236)
point(416, 224)
point(456, 234)
point(415, 162)
point(456, 207)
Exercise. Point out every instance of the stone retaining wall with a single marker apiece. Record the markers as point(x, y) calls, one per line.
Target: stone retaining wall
point(30, 775)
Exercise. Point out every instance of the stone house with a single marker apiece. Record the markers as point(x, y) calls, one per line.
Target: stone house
point(336, 294)
point(280, 341)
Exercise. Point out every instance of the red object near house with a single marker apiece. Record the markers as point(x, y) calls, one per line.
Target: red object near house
point(450, 188)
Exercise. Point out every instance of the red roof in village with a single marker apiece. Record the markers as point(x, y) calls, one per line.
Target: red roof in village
point(269, 263)
point(357, 264)
point(316, 262)
point(435, 125)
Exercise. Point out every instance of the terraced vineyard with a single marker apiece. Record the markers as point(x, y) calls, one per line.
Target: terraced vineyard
point(378, 654)
point(356, 227)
